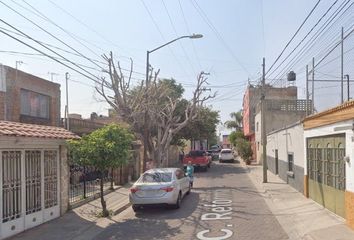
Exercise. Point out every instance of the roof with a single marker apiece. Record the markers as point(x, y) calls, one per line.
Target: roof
point(340, 113)
point(31, 130)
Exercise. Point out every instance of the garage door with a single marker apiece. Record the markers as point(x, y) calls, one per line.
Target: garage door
point(29, 189)
point(326, 170)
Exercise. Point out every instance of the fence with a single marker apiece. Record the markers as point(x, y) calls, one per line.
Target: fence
point(84, 183)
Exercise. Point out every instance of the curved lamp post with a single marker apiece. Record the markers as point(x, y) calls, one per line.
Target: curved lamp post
point(193, 36)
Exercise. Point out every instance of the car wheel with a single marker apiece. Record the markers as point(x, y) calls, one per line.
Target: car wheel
point(205, 168)
point(135, 208)
point(178, 202)
point(189, 189)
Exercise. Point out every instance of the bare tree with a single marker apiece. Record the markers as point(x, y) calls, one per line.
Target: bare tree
point(153, 101)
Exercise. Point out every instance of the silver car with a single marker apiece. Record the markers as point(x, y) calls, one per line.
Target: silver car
point(160, 186)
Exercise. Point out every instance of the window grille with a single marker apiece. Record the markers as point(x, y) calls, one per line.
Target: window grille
point(33, 181)
point(11, 185)
point(50, 179)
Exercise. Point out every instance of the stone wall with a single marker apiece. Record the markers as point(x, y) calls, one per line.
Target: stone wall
point(64, 179)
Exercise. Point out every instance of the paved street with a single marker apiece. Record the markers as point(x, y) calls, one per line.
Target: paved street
point(228, 202)
point(242, 212)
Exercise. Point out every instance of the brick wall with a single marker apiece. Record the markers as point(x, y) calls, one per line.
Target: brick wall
point(17, 80)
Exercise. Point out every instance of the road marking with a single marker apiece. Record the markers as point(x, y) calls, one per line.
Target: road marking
point(219, 209)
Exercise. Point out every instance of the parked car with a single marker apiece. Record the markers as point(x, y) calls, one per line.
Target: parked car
point(160, 186)
point(198, 158)
point(226, 155)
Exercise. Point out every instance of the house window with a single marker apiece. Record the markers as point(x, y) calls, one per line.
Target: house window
point(290, 162)
point(257, 126)
point(34, 104)
point(258, 146)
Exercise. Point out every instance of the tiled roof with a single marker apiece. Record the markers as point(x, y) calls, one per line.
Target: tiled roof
point(31, 130)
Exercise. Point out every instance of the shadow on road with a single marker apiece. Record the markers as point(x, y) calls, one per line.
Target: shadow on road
point(155, 222)
point(189, 204)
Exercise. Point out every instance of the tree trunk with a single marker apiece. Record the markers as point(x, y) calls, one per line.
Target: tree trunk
point(105, 212)
point(112, 180)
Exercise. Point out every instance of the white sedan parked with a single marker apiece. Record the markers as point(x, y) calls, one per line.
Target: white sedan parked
point(226, 155)
point(157, 186)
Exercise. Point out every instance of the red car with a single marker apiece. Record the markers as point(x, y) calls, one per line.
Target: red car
point(198, 158)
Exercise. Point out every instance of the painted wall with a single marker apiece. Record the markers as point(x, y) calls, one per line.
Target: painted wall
point(287, 140)
point(274, 120)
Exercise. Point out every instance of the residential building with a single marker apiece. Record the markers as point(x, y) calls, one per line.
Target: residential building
point(225, 141)
point(26, 98)
point(285, 154)
point(278, 114)
point(34, 175)
point(251, 98)
point(329, 169)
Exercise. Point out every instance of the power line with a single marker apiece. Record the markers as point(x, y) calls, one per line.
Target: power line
point(64, 64)
point(189, 32)
point(175, 31)
point(47, 19)
point(217, 34)
point(291, 39)
point(46, 47)
point(73, 36)
point(320, 32)
point(330, 19)
point(159, 30)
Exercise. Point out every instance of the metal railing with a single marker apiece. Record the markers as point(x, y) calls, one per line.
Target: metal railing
point(85, 183)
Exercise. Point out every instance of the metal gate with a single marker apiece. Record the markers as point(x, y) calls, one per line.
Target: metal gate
point(326, 170)
point(29, 182)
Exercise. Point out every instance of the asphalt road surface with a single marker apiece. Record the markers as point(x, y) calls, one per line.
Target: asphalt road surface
point(224, 204)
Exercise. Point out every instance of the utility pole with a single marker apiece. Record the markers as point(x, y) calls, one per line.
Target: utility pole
point(347, 76)
point(264, 137)
point(341, 65)
point(67, 101)
point(313, 85)
point(146, 114)
point(307, 90)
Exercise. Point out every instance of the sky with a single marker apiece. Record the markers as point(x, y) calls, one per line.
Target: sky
point(236, 36)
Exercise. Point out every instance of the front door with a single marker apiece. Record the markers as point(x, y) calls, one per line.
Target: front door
point(326, 170)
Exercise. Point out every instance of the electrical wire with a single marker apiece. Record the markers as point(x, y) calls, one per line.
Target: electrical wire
point(206, 19)
point(294, 35)
point(302, 40)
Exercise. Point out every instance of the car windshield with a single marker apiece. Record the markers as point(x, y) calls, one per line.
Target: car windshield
point(226, 151)
point(196, 153)
point(153, 177)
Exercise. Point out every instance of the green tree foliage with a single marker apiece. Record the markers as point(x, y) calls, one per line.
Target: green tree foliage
point(236, 122)
point(234, 136)
point(103, 149)
point(202, 127)
point(244, 149)
point(243, 146)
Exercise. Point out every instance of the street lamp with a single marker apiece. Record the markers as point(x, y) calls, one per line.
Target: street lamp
point(193, 36)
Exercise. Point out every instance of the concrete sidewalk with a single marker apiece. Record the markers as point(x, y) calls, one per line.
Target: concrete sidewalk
point(82, 222)
point(300, 217)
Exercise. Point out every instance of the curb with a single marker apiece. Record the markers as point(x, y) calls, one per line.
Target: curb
point(121, 209)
